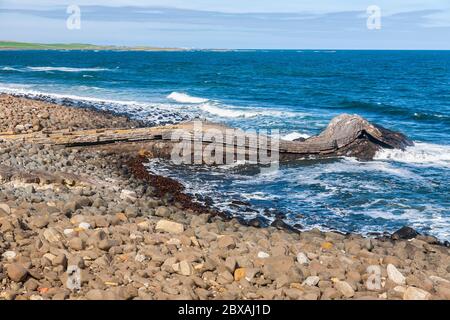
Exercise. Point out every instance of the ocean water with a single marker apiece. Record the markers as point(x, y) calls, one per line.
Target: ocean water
point(296, 92)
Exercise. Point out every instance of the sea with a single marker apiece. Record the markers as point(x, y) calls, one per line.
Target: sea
point(296, 92)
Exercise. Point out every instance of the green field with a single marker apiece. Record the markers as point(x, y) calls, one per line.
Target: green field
point(12, 45)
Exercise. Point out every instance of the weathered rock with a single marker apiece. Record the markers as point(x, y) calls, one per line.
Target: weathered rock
point(169, 226)
point(52, 235)
point(395, 275)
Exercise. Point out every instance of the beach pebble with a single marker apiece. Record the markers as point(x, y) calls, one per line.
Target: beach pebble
point(263, 255)
point(302, 258)
point(5, 208)
point(9, 255)
point(311, 281)
point(84, 226)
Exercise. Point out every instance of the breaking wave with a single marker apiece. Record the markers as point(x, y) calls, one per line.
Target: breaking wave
point(420, 153)
point(185, 98)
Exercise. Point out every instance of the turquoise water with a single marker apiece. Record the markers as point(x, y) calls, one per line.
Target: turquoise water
point(297, 92)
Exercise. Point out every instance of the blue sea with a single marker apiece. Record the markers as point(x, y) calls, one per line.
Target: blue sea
point(297, 92)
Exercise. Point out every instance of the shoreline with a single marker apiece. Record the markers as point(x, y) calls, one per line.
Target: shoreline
point(131, 241)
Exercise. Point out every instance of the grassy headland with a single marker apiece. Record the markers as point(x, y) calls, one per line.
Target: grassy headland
point(13, 45)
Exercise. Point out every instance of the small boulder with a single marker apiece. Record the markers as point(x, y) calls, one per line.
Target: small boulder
point(395, 275)
point(16, 272)
point(169, 226)
point(344, 288)
point(413, 293)
point(404, 233)
point(226, 242)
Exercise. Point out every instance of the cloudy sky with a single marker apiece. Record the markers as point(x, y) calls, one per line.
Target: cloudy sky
point(290, 24)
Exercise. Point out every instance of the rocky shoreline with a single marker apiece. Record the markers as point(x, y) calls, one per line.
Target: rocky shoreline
point(88, 223)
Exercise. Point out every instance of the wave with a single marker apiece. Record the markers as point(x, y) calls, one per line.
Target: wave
point(227, 113)
point(9, 69)
point(185, 98)
point(420, 153)
point(66, 69)
point(45, 69)
point(295, 135)
point(224, 111)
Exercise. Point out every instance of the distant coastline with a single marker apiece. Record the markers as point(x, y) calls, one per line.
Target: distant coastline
point(14, 45)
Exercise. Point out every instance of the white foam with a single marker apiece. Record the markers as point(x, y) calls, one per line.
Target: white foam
point(225, 111)
point(9, 69)
point(185, 98)
point(66, 69)
point(158, 113)
point(420, 153)
point(295, 135)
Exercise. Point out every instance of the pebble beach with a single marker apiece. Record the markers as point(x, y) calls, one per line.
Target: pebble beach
point(91, 223)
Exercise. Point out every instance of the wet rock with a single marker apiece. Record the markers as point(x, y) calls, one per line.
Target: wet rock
point(404, 233)
point(280, 224)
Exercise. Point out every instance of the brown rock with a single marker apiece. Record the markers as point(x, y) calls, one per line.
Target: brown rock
point(345, 289)
point(169, 226)
point(16, 272)
point(226, 242)
point(413, 293)
point(76, 244)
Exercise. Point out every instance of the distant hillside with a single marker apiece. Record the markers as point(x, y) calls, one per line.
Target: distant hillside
point(12, 45)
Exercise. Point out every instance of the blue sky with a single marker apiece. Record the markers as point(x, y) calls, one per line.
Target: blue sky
point(290, 24)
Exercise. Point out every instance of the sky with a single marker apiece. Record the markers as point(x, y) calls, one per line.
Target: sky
point(232, 24)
